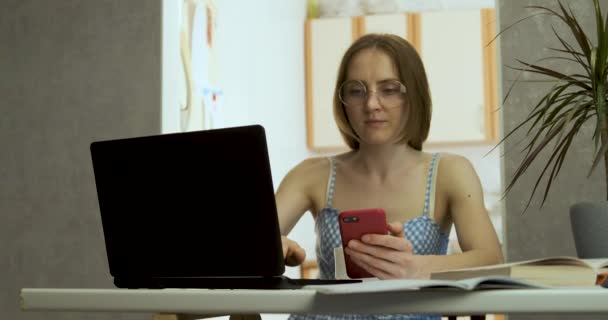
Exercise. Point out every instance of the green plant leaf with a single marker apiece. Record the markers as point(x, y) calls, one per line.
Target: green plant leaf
point(601, 37)
point(569, 52)
point(598, 157)
point(556, 128)
point(529, 158)
point(561, 148)
point(514, 24)
point(556, 157)
point(555, 74)
point(551, 121)
point(593, 63)
point(577, 31)
point(572, 23)
point(564, 146)
point(604, 74)
point(572, 99)
point(575, 54)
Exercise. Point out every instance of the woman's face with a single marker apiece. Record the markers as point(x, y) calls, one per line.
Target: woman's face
point(380, 118)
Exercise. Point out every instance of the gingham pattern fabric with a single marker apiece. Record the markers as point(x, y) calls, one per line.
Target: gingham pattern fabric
point(426, 237)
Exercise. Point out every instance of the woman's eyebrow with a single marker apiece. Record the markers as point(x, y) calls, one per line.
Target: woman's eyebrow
point(379, 81)
point(387, 80)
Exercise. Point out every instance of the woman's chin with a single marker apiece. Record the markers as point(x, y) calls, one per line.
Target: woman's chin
point(376, 140)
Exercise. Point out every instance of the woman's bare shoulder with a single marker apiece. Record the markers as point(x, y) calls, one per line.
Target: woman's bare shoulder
point(309, 171)
point(311, 166)
point(451, 158)
point(450, 162)
point(312, 172)
point(457, 172)
point(319, 164)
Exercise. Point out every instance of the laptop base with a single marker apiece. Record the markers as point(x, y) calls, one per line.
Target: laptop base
point(262, 283)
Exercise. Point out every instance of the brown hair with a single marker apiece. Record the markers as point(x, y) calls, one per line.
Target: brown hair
point(411, 74)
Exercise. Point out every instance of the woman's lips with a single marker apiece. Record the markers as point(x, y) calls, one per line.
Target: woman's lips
point(374, 123)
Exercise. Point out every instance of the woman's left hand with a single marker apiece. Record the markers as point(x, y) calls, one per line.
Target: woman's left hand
point(388, 256)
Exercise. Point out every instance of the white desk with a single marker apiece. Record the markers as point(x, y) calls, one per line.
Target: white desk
point(203, 301)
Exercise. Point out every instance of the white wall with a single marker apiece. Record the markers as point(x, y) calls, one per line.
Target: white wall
point(261, 56)
point(263, 75)
point(261, 46)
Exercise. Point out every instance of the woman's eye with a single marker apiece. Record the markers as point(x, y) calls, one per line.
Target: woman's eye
point(356, 92)
point(390, 91)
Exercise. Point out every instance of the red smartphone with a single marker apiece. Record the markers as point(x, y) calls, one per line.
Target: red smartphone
point(353, 225)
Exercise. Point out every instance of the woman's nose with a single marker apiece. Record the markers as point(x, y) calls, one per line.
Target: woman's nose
point(373, 100)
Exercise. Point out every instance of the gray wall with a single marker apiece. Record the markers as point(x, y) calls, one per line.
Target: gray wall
point(71, 72)
point(546, 231)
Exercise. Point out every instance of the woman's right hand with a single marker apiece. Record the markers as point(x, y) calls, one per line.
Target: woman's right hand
point(292, 252)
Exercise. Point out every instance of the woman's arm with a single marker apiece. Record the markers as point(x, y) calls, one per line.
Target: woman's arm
point(476, 234)
point(293, 196)
point(293, 199)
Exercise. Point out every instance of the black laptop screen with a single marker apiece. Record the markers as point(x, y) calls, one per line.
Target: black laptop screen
point(188, 204)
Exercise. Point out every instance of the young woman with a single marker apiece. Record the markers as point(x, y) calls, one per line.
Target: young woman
point(382, 107)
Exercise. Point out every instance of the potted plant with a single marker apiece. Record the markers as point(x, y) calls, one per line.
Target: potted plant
point(572, 100)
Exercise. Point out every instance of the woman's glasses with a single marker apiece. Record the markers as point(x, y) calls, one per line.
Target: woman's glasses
point(390, 94)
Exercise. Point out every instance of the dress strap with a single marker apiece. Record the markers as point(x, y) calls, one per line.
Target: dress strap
point(331, 182)
point(429, 198)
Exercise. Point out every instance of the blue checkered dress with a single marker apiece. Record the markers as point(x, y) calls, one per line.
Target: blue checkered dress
point(425, 235)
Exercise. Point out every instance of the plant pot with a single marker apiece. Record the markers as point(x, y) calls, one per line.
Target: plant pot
point(589, 222)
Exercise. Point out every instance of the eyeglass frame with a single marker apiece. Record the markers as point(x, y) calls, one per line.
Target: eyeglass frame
point(402, 90)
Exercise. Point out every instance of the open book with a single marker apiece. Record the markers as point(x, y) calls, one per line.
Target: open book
point(375, 285)
point(561, 271)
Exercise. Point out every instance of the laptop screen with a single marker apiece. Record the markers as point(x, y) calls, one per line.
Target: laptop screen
point(193, 204)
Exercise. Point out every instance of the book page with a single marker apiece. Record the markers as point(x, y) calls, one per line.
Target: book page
point(558, 260)
point(559, 275)
point(600, 264)
point(499, 282)
point(547, 271)
point(414, 284)
point(385, 286)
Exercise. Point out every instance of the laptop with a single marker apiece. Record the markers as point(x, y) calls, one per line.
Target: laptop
point(191, 210)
